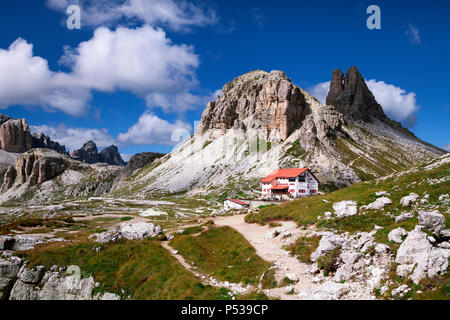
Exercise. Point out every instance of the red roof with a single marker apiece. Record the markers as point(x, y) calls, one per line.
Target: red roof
point(284, 173)
point(238, 202)
point(279, 187)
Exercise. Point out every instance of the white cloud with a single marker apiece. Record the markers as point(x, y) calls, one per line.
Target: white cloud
point(396, 102)
point(151, 129)
point(74, 138)
point(142, 60)
point(177, 15)
point(139, 60)
point(29, 81)
point(447, 147)
point(179, 102)
point(414, 34)
point(320, 91)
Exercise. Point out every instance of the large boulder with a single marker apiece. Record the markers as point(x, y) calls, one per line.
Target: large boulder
point(378, 204)
point(129, 231)
point(397, 235)
point(432, 221)
point(417, 258)
point(344, 209)
point(409, 199)
point(9, 269)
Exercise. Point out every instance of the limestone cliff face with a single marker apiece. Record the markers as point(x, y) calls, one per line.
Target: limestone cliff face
point(347, 140)
point(35, 167)
point(257, 100)
point(15, 135)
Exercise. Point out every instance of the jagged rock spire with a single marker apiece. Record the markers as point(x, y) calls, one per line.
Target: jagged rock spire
point(352, 97)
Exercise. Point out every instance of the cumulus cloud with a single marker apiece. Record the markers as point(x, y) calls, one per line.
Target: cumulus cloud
point(74, 138)
point(179, 102)
point(142, 60)
point(27, 80)
point(414, 34)
point(396, 102)
point(177, 15)
point(139, 60)
point(151, 129)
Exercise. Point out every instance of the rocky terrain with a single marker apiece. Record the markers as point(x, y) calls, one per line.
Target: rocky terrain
point(262, 121)
point(85, 225)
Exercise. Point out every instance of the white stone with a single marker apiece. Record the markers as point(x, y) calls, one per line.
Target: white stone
point(409, 199)
point(344, 209)
point(403, 217)
point(397, 235)
point(433, 221)
point(378, 204)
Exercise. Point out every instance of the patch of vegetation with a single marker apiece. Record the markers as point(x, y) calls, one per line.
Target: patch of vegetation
point(135, 269)
point(304, 247)
point(328, 261)
point(224, 254)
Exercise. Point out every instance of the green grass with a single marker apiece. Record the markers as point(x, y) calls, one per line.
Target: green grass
point(142, 269)
point(305, 211)
point(304, 247)
point(216, 249)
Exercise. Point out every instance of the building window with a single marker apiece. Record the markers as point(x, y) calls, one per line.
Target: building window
point(301, 178)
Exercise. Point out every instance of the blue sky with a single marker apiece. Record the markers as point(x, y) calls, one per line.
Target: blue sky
point(167, 59)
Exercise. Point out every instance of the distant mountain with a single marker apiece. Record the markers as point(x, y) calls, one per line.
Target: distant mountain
point(88, 153)
point(262, 121)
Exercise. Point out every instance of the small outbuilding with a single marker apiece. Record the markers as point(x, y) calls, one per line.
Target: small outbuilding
point(235, 204)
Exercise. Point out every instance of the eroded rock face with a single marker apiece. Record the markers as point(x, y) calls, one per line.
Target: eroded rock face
point(15, 135)
point(35, 167)
point(352, 97)
point(257, 100)
point(111, 155)
point(40, 140)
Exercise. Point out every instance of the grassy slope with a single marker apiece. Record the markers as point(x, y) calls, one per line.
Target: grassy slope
point(142, 269)
point(305, 212)
point(214, 250)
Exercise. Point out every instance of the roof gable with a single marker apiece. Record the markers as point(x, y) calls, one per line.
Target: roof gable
point(284, 173)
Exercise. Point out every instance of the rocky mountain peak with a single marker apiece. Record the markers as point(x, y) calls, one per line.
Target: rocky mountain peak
point(88, 153)
point(257, 100)
point(111, 155)
point(40, 140)
point(350, 96)
point(15, 135)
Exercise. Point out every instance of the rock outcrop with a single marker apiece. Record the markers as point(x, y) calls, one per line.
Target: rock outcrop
point(40, 140)
point(138, 161)
point(351, 96)
point(111, 155)
point(15, 135)
point(17, 282)
point(129, 231)
point(34, 167)
point(257, 100)
point(417, 258)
